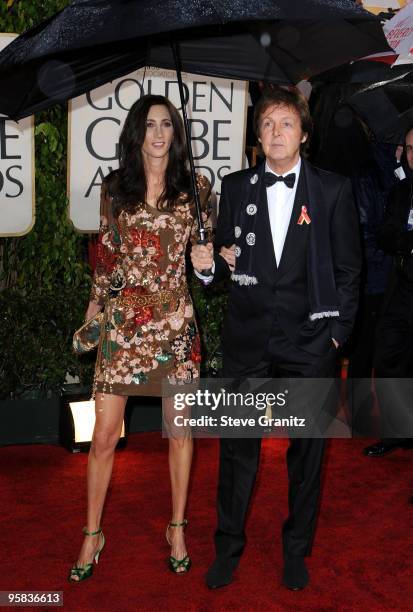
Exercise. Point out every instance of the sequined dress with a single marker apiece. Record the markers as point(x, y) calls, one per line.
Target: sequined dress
point(149, 331)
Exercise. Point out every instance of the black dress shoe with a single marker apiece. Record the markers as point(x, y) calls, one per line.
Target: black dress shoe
point(220, 573)
point(295, 575)
point(381, 448)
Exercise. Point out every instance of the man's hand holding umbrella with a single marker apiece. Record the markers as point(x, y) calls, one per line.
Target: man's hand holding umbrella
point(202, 257)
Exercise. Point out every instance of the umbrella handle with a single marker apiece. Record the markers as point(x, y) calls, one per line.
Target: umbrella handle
point(204, 241)
point(178, 65)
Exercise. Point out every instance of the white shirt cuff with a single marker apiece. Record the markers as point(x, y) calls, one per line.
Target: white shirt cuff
point(206, 279)
point(399, 172)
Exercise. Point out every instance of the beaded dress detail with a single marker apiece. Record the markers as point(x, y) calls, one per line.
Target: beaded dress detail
point(149, 330)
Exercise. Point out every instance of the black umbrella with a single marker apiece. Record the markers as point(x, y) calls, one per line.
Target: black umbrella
point(363, 72)
point(94, 41)
point(387, 108)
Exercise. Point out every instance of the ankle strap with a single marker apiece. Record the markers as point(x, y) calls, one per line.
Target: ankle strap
point(91, 533)
point(183, 524)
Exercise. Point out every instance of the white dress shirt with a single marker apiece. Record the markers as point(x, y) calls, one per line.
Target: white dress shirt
point(280, 207)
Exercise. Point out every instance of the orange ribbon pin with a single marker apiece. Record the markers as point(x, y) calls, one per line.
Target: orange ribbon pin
point(304, 217)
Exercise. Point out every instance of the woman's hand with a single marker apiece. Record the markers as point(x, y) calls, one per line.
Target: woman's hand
point(92, 310)
point(202, 256)
point(229, 255)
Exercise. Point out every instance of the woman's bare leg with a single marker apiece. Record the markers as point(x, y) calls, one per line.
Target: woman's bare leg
point(110, 411)
point(180, 459)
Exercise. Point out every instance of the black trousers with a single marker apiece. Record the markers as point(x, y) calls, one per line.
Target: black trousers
point(362, 347)
point(393, 360)
point(394, 340)
point(239, 458)
point(360, 366)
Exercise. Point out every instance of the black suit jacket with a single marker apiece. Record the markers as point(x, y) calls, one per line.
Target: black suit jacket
point(393, 236)
point(282, 292)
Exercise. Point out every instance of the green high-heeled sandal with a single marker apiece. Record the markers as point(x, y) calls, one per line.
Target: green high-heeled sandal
point(81, 572)
point(175, 565)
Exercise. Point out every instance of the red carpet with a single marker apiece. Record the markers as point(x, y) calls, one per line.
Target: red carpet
point(362, 558)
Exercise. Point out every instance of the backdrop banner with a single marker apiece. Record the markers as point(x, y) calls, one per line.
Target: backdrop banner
point(16, 170)
point(216, 110)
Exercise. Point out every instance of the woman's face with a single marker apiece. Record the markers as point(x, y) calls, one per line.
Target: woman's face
point(159, 132)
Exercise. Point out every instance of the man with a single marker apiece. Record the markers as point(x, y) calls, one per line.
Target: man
point(292, 302)
point(371, 186)
point(394, 350)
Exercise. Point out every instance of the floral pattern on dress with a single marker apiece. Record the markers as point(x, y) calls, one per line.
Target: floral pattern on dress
point(141, 255)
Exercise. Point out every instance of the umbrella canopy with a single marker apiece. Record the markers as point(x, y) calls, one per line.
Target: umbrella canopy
point(387, 109)
point(363, 72)
point(94, 41)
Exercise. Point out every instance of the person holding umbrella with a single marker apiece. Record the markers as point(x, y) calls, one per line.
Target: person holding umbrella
point(149, 332)
point(292, 303)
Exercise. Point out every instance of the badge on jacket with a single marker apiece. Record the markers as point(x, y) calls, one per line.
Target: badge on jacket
point(304, 216)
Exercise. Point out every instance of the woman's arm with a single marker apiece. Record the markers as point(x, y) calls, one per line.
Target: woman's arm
point(106, 255)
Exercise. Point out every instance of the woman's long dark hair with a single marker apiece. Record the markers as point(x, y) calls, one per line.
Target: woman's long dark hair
point(128, 184)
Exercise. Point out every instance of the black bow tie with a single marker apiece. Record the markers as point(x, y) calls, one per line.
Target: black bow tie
point(270, 179)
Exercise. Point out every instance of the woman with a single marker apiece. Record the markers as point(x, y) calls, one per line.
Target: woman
point(149, 331)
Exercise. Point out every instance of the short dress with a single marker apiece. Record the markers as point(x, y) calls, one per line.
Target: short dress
point(149, 332)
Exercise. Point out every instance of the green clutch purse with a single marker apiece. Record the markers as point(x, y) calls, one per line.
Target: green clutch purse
point(87, 337)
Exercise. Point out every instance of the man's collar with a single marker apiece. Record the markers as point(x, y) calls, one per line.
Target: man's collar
point(295, 169)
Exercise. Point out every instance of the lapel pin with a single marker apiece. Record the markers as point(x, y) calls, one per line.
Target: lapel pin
point(254, 179)
point(304, 216)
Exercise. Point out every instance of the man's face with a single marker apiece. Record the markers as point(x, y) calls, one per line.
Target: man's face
point(409, 149)
point(281, 135)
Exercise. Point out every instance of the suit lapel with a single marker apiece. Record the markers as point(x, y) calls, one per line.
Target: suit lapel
point(267, 263)
point(297, 235)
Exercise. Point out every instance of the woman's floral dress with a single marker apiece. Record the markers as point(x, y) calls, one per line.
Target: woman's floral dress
point(149, 330)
